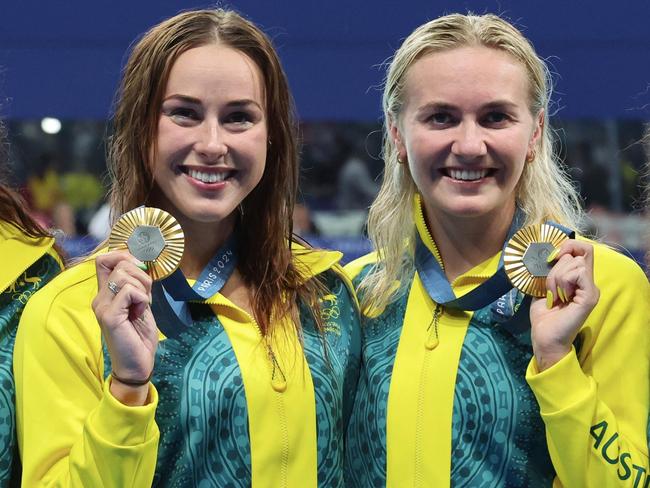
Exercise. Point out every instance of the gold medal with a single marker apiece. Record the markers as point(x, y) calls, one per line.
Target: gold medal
point(524, 258)
point(152, 236)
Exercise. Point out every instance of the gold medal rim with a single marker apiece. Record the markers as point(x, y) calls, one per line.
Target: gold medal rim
point(170, 257)
point(513, 257)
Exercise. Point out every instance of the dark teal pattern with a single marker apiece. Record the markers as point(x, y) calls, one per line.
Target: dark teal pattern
point(12, 303)
point(202, 413)
point(365, 463)
point(335, 377)
point(202, 408)
point(498, 436)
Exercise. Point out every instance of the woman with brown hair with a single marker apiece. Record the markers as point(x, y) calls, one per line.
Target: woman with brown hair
point(29, 261)
point(239, 369)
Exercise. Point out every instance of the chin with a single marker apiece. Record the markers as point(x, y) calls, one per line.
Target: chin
point(208, 216)
point(467, 213)
point(469, 210)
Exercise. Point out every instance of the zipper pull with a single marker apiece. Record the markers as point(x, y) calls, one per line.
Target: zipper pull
point(433, 340)
point(279, 385)
point(278, 382)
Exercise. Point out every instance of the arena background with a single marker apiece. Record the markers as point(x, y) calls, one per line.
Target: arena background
point(60, 64)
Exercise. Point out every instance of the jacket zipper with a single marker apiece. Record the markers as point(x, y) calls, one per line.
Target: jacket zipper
point(430, 343)
point(436, 252)
point(279, 385)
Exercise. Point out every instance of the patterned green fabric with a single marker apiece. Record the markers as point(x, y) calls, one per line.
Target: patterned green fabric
point(12, 303)
point(202, 412)
point(497, 432)
point(365, 453)
point(366, 442)
point(498, 435)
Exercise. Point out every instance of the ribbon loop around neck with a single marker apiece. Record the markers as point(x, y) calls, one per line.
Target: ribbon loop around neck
point(178, 292)
point(439, 289)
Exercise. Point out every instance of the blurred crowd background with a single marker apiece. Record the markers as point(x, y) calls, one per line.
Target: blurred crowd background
point(60, 65)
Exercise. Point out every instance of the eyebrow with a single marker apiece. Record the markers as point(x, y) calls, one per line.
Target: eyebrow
point(448, 106)
point(243, 103)
point(500, 104)
point(437, 106)
point(234, 103)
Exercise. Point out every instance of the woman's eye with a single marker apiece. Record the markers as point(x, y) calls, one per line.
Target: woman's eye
point(441, 118)
point(496, 118)
point(238, 118)
point(183, 113)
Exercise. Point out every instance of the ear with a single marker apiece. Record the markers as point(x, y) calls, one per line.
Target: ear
point(396, 137)
point(537, 132)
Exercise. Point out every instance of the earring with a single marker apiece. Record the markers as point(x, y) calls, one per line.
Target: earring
point(399, 160)
point(530, 157)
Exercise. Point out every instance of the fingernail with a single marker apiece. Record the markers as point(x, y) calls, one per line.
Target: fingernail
point(553, 256)
point(142, 266)
point(560, 294)
point(549, 300)
point(566, 295)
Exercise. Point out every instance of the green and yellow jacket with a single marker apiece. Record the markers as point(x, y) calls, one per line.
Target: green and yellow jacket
point(221, 413)
point(453, 398)
point(27, 265)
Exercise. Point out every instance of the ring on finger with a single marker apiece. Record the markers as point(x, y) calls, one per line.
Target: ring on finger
point(113, 287)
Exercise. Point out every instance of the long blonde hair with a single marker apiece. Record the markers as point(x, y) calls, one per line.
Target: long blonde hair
point(543, 192)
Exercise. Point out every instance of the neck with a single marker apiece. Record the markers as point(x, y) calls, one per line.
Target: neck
point(201, 243)
point(466, 242)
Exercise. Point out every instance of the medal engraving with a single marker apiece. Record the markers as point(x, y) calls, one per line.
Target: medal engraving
point(146, 243)
point(524, 258)
point(535, 258)
point(151, 235)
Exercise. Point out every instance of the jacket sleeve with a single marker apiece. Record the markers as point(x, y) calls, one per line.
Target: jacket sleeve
point(594, 402)
point(71, 431)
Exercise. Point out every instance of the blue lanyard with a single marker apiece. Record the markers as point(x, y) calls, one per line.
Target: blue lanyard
point(178, 292)
point(439, 289)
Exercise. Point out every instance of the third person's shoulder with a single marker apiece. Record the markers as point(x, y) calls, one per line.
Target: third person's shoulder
point(360, 266)
point(71, 291)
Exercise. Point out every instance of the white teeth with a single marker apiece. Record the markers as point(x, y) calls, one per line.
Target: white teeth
point(207, 177)
point(467, 175)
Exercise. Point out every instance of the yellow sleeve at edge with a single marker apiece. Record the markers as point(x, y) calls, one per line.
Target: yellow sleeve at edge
point(594, 403)
point(71, 430)
point(353, 268)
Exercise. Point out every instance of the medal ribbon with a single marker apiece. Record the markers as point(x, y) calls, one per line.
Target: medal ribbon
point(435, 281)
point(178, 292)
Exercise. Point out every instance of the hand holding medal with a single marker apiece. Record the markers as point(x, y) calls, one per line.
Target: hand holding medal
point(146, 244)
point(542, 261)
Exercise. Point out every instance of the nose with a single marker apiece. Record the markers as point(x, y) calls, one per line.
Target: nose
point(469, 142)
point(210, 142)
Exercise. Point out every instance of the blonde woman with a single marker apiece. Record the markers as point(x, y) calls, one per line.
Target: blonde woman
point(242, 371)
point(511, 393)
